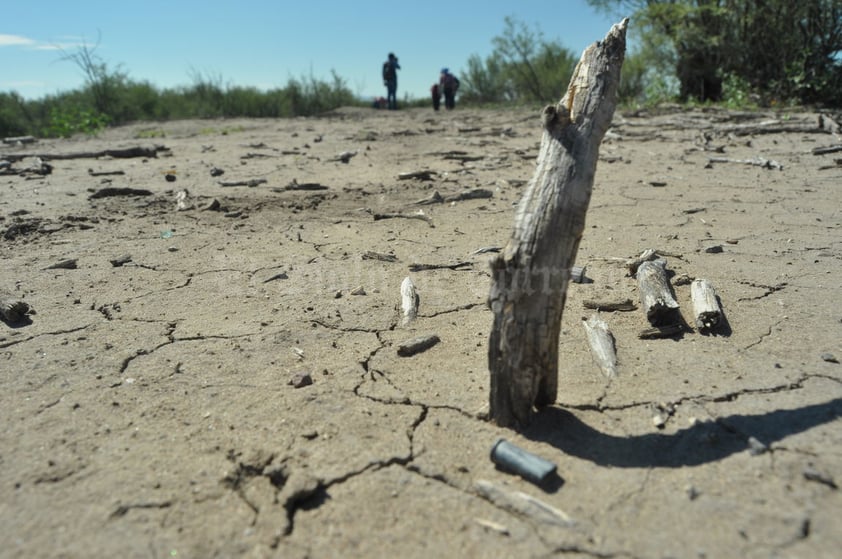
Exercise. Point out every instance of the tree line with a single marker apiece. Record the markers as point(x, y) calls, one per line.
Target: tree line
point(739, 52)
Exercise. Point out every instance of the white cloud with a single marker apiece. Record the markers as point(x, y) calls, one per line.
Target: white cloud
point(14, 40)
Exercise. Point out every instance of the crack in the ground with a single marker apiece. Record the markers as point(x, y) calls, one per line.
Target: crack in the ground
point(700, 399)
point(11, 343)
point(768, 290)
point(465, 307)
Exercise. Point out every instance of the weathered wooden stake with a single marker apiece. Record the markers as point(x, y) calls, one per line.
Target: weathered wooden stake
point(530, 276)
point(706, 309)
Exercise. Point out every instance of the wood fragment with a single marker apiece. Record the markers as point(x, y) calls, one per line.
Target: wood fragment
point(121, 153)
point(93, 173)
point(420, 216)
point(371, 255)
point(417, 345)
point(417, 267)
point(756, 161)
point(827, 123)
point(530, 277)
point(770, 127)
point(706, 307)
point(485, 250)
point(655, 292)
point(344, 157)
point(250, 183)
point(12, 309)
point(522, 504)
point(475, 194)
point(610, 306)
point(577, 275)
point(633, 263)
point(423, 175)
point(493, 526)
point(434, 198)
point(69, 264)
point(20, 140)
point(656, 332)
point(409, 301)
point(825, 150)
point(601, 341)
point(121, 260)
point(111, 191)
point(295, 185)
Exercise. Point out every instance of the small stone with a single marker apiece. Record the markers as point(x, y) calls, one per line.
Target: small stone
point(300, 380)
point(216, 172)
point(829, 357)
point(692, 492)
point(359, 290)
point(755, 447)
point(715, 249)
point(170, 177)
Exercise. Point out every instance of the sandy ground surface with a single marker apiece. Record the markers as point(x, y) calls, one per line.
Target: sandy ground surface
point(159, 406)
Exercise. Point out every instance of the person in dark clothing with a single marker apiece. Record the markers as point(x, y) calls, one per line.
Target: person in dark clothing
point(448, 85)
point(435, 92)
point(390, 80)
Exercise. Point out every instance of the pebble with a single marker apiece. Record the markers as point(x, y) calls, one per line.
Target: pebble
point(829, 357)
point(755, 447)
point(300, 380)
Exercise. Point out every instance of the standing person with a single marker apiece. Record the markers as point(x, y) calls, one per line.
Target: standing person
point(435, 92)
point(390, 80)
point(448, 85)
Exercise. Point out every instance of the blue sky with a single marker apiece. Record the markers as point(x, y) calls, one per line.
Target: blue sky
point(264, 43)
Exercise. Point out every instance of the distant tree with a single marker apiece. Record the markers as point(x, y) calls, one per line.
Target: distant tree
point(780, 50)
point(523, 67)
point(103, 83)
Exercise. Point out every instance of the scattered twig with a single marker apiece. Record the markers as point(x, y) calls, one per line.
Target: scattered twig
point(371, 255)
point(123, 153)
point(422, 267)
point(420, 215)
point(250, 183)
point(757, 161)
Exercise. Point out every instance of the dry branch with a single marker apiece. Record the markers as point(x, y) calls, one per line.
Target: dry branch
point(531, 275)
point(121, 153)
point(756, 161)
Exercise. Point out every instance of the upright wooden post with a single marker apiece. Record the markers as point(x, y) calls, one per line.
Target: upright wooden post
point(530, 276)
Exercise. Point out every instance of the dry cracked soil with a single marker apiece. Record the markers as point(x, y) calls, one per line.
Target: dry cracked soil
point(209, 365)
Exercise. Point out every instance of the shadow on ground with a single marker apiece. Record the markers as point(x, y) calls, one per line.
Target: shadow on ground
point(701, 443)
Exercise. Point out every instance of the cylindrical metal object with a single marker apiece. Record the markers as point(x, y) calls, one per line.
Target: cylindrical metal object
point(518, 461)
